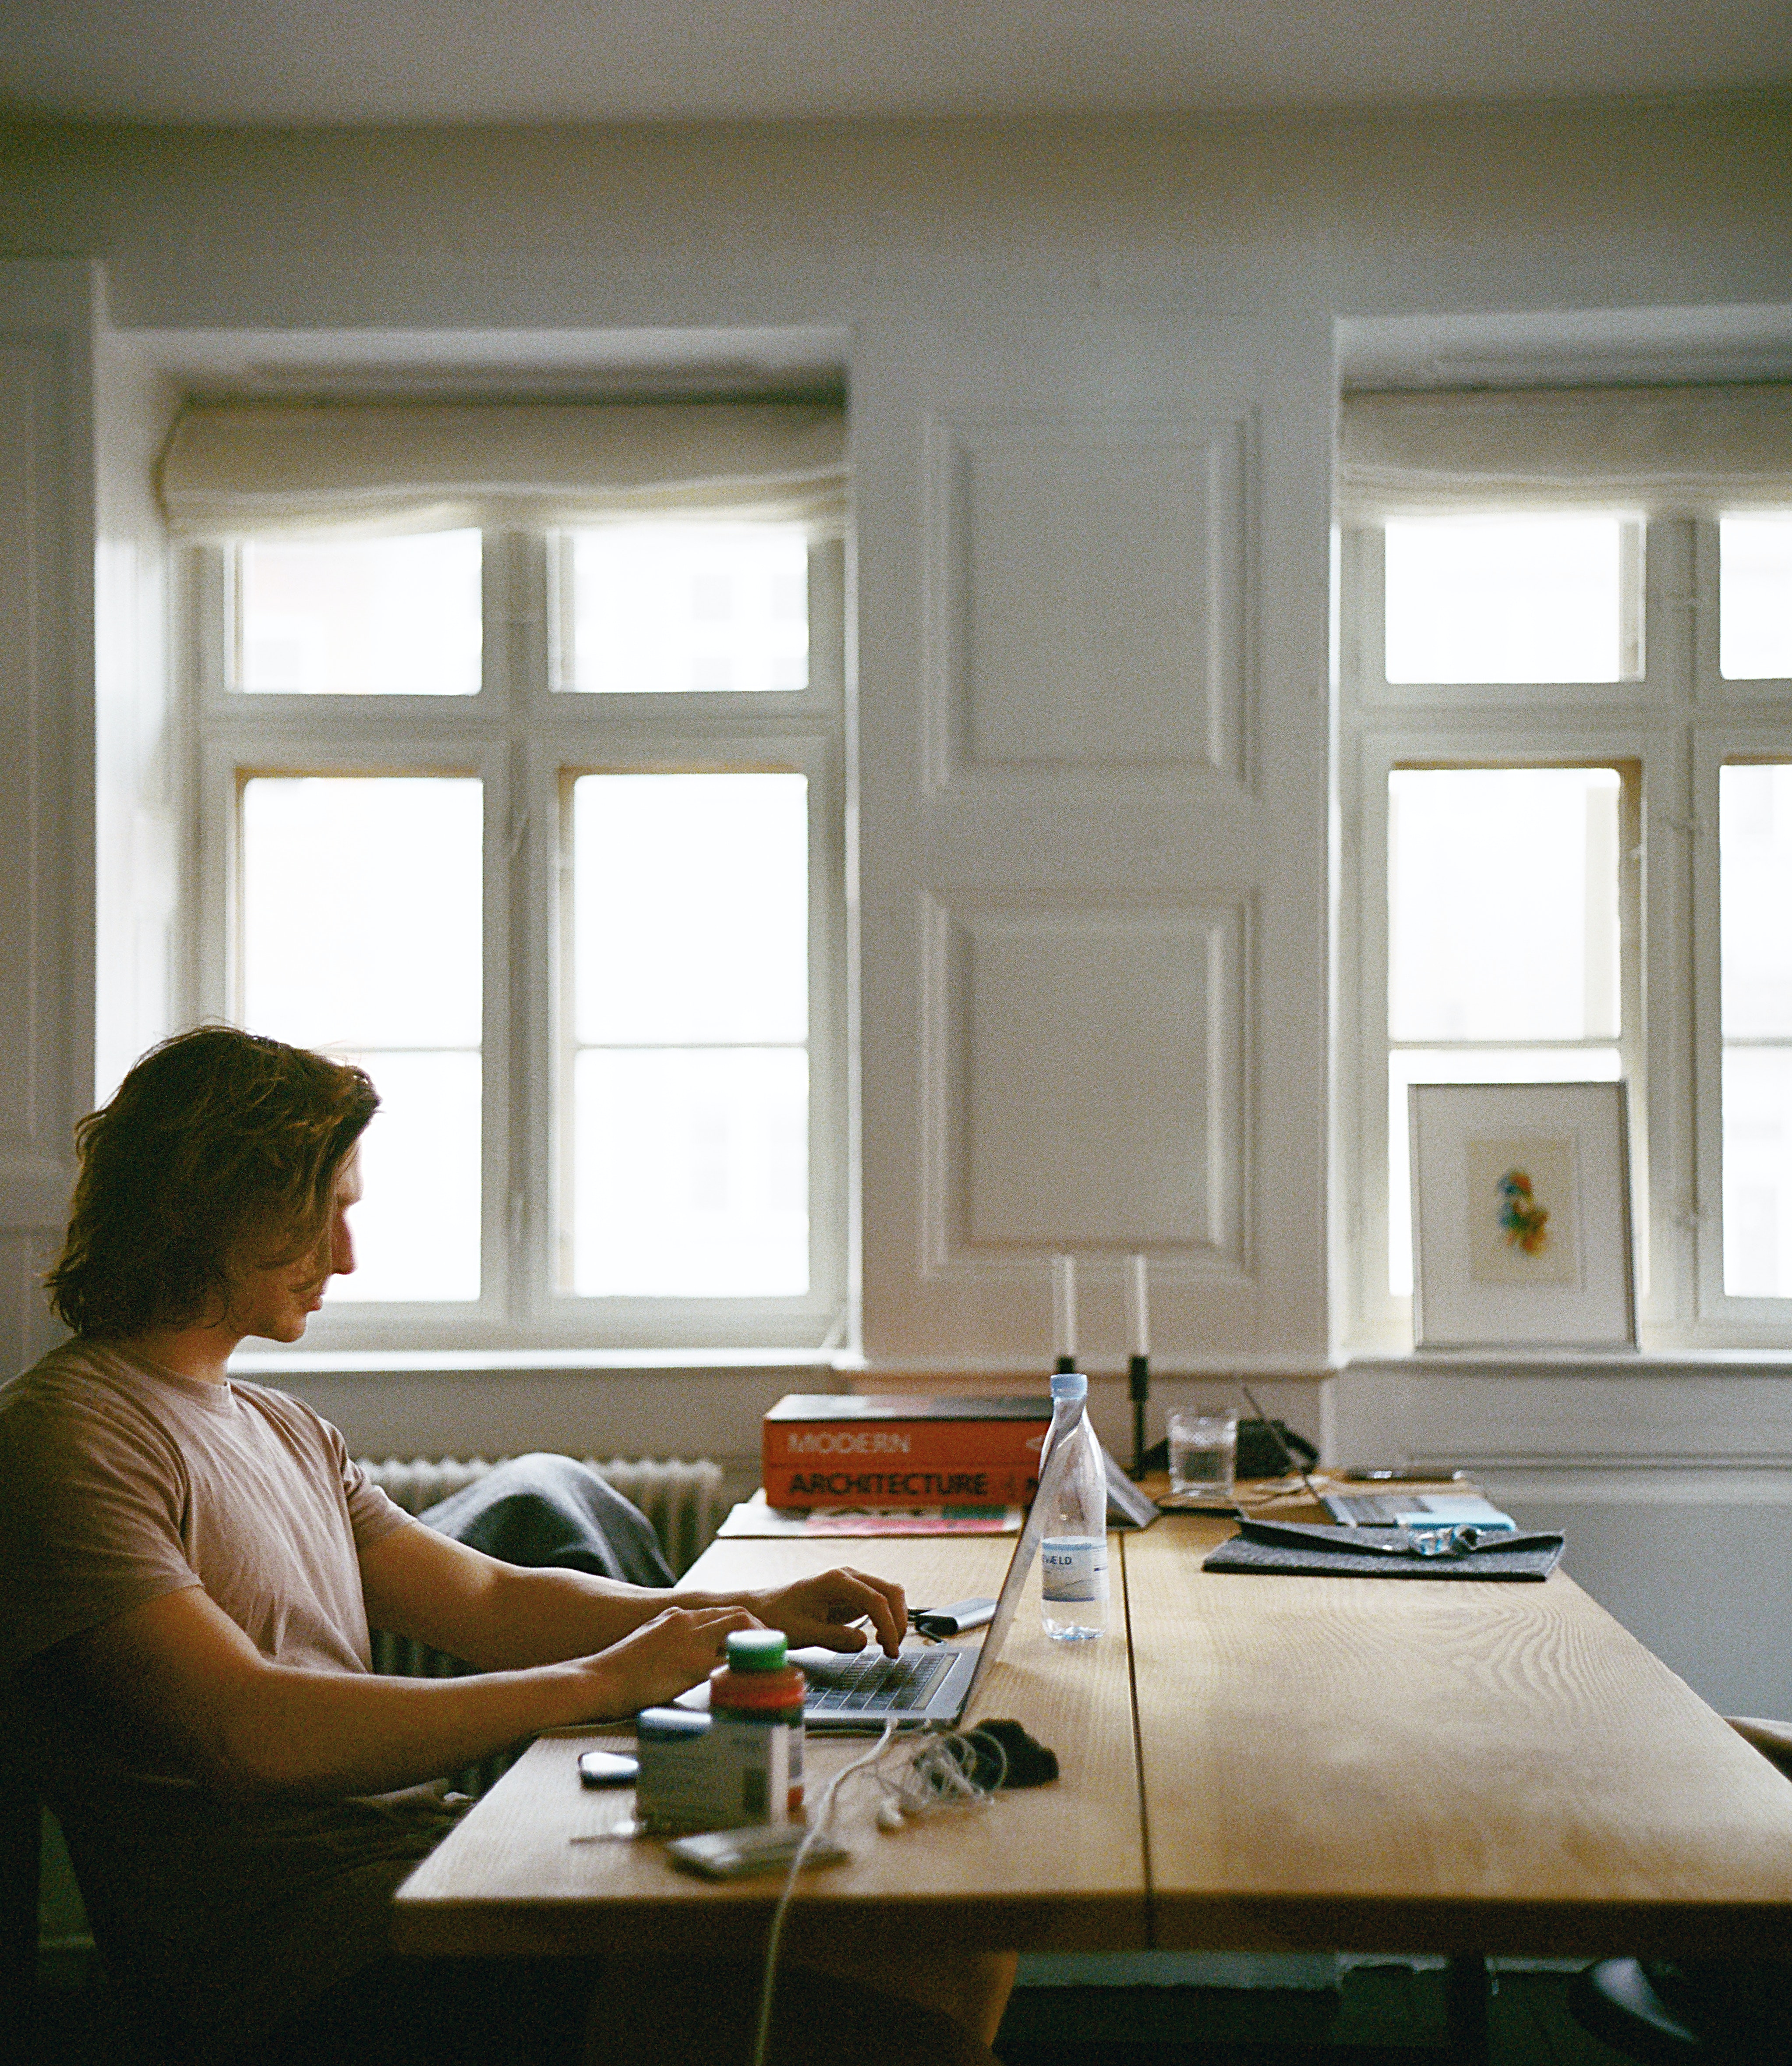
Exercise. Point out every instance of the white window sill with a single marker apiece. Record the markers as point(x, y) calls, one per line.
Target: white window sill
point(1652, 1364)
point(274, 1363)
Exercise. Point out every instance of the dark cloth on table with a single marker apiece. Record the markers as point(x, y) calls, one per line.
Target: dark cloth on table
point(543, 1510)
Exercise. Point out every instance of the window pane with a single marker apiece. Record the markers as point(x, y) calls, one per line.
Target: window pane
point(391, 617)
point(1505, 599)
point(1466, 1065)
point(1754, 613)
point(1503, 904)
point(681, 609)
point(691, 1173)
point(1754, 822)
point(1757, 1172)
point(416, 1228)
point(690, 917)
point(1754, 829)
point(361, 909)
point(361, 933)
point(691, 908)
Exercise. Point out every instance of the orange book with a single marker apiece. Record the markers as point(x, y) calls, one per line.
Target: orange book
point(834, 1449)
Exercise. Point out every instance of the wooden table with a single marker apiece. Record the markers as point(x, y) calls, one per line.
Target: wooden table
point(1057, 1868)
point(1248, 1762)
point(1441, 1765)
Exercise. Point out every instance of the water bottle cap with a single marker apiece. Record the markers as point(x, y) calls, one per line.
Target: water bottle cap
point(756, 1650)
point(1069, 1385)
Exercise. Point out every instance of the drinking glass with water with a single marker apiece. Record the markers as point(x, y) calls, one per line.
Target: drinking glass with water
point(1204, 1451)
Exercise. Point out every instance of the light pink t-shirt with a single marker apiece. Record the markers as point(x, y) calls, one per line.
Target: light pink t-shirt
point(119, 1483)
point(123, 1482)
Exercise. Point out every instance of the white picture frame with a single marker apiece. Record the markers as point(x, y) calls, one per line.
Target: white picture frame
point(1522, 1231)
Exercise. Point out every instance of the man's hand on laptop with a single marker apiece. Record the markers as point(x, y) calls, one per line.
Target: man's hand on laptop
point(675, 1650)
point(826, 1609)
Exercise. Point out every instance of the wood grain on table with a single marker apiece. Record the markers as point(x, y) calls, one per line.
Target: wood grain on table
point(1435, 1765)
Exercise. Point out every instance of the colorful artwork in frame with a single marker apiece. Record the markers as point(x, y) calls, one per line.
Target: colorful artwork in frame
point(1522, 1216)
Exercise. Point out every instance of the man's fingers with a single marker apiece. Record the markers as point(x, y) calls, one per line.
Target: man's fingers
point(889, 1610)
point(880, 1601)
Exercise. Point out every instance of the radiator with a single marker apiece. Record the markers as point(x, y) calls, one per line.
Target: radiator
point(682, 1501)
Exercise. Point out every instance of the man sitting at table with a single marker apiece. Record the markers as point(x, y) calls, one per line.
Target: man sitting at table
point(189, 1566)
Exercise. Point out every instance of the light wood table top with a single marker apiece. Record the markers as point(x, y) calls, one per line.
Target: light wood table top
point(1327, 1763)
point(1056, 1867)
point(1435, 1765)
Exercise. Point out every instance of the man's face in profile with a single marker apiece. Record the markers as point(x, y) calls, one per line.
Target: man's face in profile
point(275, 1300)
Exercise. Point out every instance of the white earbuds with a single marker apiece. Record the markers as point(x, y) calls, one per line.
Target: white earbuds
point(889, 1815)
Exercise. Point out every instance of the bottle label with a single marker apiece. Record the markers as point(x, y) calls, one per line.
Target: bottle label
point(1074, 1567)
point(760, 1763)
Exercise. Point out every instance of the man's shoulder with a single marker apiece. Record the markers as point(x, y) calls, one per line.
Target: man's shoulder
point(72, 1375)
point(78, 1385)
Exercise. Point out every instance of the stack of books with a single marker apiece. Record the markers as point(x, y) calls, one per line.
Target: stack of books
point(832, 1449)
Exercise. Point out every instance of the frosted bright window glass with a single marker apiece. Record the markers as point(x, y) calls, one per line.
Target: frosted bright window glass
point(1504, 599)
point(361, 918)
point(687, 609)
point(1754, 826)
point(1466, 1065)
point(393, 617)
point(1503, 904)
point(692, 1172)
point(1754, 597)
point(691, 1074)
point(691, 907)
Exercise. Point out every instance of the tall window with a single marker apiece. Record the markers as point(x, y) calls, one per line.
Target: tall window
point(1566, 756)
point(542, 823)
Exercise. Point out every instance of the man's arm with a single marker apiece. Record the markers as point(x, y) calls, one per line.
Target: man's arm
point(180, 1676)
point(501, 1617)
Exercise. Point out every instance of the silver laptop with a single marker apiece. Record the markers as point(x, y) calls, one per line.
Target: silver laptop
point(1406, 1509)
point(926, 1685)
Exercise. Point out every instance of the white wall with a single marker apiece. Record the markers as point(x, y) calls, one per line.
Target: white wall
point(1094, 820)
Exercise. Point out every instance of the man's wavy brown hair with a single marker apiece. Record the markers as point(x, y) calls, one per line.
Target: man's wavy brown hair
point(215, 1139)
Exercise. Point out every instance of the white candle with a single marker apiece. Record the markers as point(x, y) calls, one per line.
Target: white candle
point(1138, 1324)
point(1064, 1307)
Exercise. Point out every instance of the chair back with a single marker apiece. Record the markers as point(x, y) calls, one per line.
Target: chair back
point(21, 1851)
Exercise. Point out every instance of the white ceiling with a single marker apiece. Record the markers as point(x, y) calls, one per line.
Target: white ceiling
point(367, 61)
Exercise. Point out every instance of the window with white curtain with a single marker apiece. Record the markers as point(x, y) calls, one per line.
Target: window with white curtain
point(521, 743)
point(1564, 622)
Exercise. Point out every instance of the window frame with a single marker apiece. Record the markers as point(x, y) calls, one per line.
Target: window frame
point(520, 735)
point(1670, 729)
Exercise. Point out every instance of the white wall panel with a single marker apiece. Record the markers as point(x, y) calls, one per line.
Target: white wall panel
point(1088, 604)
point(1091, 1067)
point(46, 950)
point(28, 377)
point(141, 804)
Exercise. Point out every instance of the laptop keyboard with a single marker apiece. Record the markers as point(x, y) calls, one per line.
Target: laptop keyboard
point(870, 1684)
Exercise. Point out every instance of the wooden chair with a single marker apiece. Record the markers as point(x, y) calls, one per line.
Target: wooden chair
point(1651, 2010)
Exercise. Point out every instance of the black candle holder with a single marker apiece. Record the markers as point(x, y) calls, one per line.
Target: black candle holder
point(1138, 1390)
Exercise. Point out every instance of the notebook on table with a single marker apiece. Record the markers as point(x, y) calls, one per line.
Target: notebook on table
point(926, 1685)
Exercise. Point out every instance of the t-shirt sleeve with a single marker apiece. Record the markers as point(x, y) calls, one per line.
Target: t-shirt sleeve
point(90, 1527)
point(373, 1513)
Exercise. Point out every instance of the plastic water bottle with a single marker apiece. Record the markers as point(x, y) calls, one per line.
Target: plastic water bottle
point(1073, 1552)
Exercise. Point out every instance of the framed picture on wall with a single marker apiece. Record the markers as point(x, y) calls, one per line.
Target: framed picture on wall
point(1521, 1217)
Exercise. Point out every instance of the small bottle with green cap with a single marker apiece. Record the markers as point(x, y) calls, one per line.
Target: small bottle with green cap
point(756, 1707)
